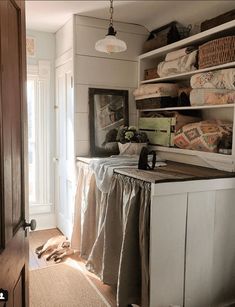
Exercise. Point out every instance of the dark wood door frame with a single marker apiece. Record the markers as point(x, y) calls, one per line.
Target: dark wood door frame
point(13, 150)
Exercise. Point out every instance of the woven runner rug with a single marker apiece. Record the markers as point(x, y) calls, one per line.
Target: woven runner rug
point(63, 286)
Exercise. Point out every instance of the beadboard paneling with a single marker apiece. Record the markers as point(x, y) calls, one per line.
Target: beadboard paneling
point(199, 254)
point(224, 248)
point(100, 71)
point(102, 23)
point(81, 127)
point(85, 46)
point(64, 38)
point(82, 148)
point(167, 248)
point(81, 98)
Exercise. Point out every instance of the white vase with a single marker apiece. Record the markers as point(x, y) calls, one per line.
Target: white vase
point(130, 148)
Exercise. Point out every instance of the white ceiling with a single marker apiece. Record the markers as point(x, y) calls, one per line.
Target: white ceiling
point(49, 16)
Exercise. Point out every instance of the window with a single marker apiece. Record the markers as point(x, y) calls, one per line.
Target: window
point(31, 95)
point(38, 100)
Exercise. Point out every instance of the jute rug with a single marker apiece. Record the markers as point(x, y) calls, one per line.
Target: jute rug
point(63, 286)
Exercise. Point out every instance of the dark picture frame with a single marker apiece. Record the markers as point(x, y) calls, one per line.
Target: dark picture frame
point(108, 110)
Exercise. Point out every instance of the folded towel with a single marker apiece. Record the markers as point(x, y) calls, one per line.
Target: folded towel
point(141, 97)
point(183, 64)
point(179, 53)
point(199, 97)
point(103, 169)
point(223, 79)
point(158, 90)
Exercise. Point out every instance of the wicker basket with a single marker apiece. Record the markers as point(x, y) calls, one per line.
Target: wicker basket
point(218, 20)
point(150, 73)
point(156, 102)
point(217, 52)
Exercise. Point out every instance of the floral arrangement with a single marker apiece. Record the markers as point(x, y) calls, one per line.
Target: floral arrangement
point(131, 135)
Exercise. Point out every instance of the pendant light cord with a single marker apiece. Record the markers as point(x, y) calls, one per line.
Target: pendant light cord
point(111, 13)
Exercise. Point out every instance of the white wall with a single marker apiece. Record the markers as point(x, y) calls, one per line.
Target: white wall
point(186, 12)
point(75, 43)
point(45, 51)
point(95, 69)
point(64, 43)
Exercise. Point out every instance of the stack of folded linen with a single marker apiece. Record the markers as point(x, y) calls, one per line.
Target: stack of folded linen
point(156, 95)
point(179, 61)
point(156, 90)
point(213, 87)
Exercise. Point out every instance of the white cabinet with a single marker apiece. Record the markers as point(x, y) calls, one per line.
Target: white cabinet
point(223, 112)
point(192, 246)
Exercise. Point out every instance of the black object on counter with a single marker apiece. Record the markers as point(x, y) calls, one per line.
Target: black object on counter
point(143, 159)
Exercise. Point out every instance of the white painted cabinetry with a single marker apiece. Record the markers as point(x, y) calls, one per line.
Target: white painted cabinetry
point(192, 246)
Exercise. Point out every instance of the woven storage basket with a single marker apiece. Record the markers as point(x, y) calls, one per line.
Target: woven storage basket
point(150, 73)
point(218, 20)
point(216, 52)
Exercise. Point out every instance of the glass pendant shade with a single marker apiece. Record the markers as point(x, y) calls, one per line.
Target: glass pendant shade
point(110, 44)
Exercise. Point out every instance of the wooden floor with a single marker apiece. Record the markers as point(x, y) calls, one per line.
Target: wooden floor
point(37, 238)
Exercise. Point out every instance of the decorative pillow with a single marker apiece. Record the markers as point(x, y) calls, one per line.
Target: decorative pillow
point(202, 136)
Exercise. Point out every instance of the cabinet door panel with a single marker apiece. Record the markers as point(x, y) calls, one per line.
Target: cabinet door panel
point(199, 249)
point(224, 248)
point(167, 250)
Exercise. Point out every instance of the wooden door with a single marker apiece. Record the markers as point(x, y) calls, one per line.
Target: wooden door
point(13, 148)
point(64, 148)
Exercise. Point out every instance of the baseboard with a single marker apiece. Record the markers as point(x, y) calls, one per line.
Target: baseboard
point(44, 221)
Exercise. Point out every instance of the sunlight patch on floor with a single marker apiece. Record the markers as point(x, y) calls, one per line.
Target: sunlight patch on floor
point(79, 266)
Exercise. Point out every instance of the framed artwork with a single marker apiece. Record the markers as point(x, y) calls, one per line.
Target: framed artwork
point(108, 111)
point(30, 46)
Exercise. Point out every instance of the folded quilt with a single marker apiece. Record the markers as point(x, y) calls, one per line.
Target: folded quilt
point(221, 79)
point(183, 64)
point(202, 136)
point(179, 53)
point(158, 90)
point(103, 169)
point(199, 97)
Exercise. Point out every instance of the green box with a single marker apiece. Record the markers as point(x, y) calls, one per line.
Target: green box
point(160, 130)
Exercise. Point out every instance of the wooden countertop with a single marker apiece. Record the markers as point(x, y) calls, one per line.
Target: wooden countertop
point(174, 171)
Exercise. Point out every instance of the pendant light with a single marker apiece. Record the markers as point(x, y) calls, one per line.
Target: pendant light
point(110, 43)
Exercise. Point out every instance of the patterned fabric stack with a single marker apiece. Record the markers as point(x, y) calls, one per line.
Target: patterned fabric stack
point(213, 87)
point(160, 95)
point(203, 136)
point(177, 62)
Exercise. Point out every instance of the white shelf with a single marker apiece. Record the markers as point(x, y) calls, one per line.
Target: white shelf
point(190, 108)
point(210, 155)
point(186, 75)
point(149, 59)
point(194, 39)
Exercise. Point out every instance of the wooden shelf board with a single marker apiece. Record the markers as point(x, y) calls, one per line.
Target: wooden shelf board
point(191, 108)
point(194, 39)
point(185, 76)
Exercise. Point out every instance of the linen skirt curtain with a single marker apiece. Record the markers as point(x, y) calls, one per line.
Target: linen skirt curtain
point(111, 231)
